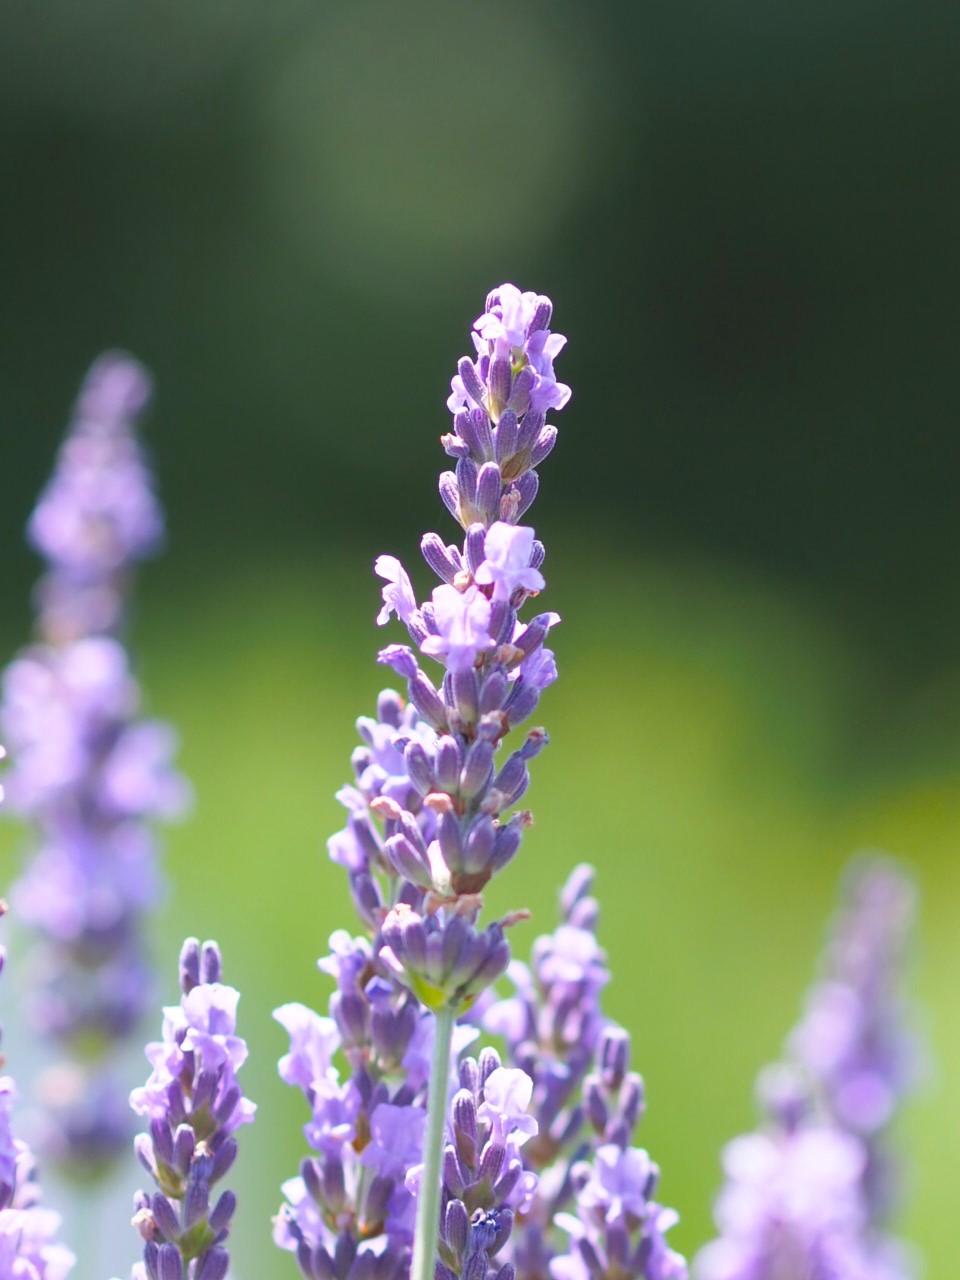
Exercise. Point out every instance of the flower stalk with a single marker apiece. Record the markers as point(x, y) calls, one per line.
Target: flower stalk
point(428, 1205)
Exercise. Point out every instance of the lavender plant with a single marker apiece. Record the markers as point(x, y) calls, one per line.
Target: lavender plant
point(194, 1106)
point(423, 1162)
point(29, 1249)
point(429, 824)
point(810, 1194)
point(87, 773)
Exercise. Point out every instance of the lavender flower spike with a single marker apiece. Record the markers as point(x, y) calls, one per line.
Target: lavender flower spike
point(432, 816)
point(810, 1193)
point(98, 515)
point(28, 1245)
point(87, 773)
point(194, 1106)
point(619, 1229)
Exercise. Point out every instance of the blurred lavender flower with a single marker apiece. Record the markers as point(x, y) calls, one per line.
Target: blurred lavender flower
point(810, 1194)
point(854, 1040)
point(86, 772)
point(428, 827)
point(28, 1231)
point(484, 1180)
point(194, 1106)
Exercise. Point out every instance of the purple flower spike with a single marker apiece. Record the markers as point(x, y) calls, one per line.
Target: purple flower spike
point(811, 1192)
point(431, 818)
point(28, 1245)
point(87, 773)
point(556, 1032)
point(194, 1105)
point(462, 628)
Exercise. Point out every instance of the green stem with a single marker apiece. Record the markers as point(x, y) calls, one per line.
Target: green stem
point(428, 1204)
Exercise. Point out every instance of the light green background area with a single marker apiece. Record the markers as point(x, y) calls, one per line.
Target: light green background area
point(716, 753)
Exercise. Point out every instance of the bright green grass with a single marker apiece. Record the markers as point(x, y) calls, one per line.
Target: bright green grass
point(709, 756)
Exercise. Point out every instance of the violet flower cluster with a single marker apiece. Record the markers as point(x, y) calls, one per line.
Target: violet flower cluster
point(194, 1106)
point(429, 824)
point(29, 1249)
point(87, 773)
point(593, 1213)
point(810, 1193)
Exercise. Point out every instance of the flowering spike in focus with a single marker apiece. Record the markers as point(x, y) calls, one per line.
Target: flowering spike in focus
point(193, 1105)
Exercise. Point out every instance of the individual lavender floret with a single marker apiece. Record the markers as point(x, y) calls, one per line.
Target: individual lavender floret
point(28, 1246)
point(87, 773)
point(618, 1231)
point(429, 825)
point(854, 1039)
point(194, 1106)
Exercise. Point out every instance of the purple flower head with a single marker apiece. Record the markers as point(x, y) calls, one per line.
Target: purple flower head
point(511, 336)
point(431, 817)
point(506, 567)
point(194, 1104)
point(313, 1042)
point(792, 1202)
point(810, 1193)
point(617, 1229)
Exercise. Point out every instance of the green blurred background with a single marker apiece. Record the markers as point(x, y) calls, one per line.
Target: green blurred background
point(745, 214)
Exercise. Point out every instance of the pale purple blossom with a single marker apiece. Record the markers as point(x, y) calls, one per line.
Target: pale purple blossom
point(506, 566)
point(793, 1202)
point(462, 620)
point(398, 594)
point(507, 1092)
